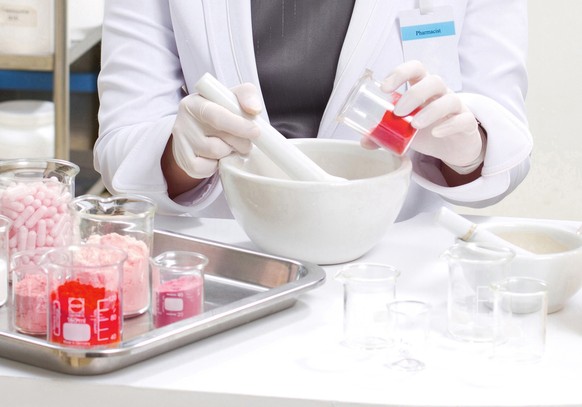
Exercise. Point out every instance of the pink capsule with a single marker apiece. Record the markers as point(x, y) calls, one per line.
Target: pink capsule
point(31, 240)
point(36, 216)
point(41, 233)
point(26, 213)
point(22, 238)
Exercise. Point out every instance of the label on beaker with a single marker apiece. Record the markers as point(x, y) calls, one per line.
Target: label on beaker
point(85, 315)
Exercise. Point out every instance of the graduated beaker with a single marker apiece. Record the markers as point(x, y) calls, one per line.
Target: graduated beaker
point(368, 288)
point(177, 286)
point(85, 308)
point(126, 222)
point(4, 256)
point(34, 194)
point(473, 267)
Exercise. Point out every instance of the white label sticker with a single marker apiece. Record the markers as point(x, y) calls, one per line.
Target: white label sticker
point(432, 39)
point(18, 15)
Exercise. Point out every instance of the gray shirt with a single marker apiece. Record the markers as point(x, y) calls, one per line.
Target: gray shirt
point(297, 47)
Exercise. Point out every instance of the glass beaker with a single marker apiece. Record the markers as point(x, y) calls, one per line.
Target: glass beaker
point(84, 284)
point(520, 310)
point(4, 258)
point(34, 194)
point(369, 110)
point(473, 267)
point(368, 288)
point(177, 286)
point(29, 292)
point(126, 222)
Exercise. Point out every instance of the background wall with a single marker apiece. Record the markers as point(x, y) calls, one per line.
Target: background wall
point(553, 188)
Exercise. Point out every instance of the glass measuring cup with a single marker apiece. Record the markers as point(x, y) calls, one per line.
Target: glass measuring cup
point(4, 258)
point(369, 111)
point(473, 267)
point(34, 194)
point(126, 222)
point(368, 287)
point(85, 294)
point(177, 286)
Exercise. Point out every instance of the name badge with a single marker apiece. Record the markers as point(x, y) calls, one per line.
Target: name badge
point(432, 39)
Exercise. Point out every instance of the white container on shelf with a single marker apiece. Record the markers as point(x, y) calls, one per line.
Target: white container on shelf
point(27, 129)
point(27, 26)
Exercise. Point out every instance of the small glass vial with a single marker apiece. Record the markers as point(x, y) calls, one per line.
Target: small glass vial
point(177, 286)
point(4, 256)
point(126, 222)
point(29, 292)
point(369, 110)
point(85, 308)
point(34, 195)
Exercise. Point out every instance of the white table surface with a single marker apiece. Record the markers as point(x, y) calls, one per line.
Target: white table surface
point(294, 357)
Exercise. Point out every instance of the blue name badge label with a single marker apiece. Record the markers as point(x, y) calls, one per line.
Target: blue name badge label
point(423, 31)
point(432, 39)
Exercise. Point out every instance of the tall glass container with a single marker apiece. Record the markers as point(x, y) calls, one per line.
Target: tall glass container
point(34, 195)
point(126, 222)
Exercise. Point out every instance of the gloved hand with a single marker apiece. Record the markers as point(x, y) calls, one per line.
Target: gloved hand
point(204, 132)
point(447, 128)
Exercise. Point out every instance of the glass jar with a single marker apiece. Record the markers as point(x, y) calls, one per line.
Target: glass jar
point(34, 195)
point(126, 222)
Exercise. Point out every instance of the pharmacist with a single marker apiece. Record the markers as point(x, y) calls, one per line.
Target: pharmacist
point(461, 62)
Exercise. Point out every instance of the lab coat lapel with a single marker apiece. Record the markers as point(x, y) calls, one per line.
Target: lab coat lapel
point(230, 41)
point(371, 23)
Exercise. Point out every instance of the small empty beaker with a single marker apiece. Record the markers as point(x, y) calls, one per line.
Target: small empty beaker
point(410, 327)
point(85, 308)
point(368, 287)
point(4, 256)
point(369, 110)
point(520, 310)
point(177, 286)
point(473, 267)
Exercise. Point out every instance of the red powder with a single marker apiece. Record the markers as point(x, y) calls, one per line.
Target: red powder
point(84, 315)
point(178, 299)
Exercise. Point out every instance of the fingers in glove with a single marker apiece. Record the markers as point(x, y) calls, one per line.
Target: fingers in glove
point(410, 71)
point(422, 92)
point(368, 143)
point(220, 118)
point(463, 123)
point(248, 98)
point(437, 110)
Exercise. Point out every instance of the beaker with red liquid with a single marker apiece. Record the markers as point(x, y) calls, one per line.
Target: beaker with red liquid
point(369, 110)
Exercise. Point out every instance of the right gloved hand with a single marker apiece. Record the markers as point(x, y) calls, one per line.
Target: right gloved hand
point(204, 132)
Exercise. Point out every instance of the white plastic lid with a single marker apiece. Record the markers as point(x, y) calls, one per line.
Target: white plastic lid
point(27, 113)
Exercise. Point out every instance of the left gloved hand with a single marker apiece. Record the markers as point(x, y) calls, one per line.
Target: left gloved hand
point(447, 128)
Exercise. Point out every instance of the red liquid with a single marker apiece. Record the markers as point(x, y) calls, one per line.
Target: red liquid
point(393, 132)
point(84, 315)
point(178, 299)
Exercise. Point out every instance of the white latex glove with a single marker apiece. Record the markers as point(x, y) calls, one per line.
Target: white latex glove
point(447, 128)
point(205, 132)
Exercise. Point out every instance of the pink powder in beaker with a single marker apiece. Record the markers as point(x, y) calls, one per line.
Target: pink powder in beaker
point(30, 304)
point(135, 270)
point(178, 299)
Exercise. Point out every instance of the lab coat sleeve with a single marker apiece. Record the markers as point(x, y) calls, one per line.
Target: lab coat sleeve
point(492, 53)
point(139, 89)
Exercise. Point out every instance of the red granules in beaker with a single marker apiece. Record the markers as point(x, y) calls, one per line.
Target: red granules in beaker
point(84, 315)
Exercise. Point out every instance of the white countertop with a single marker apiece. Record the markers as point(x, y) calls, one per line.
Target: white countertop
point(294, 357)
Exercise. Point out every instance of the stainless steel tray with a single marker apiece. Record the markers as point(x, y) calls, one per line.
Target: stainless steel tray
point(240, 286)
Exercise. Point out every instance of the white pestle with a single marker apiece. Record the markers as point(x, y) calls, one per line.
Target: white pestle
point(468, 231)
point(272, 143)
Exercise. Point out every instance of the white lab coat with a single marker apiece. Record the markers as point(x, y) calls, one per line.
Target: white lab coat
point(151, 48)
